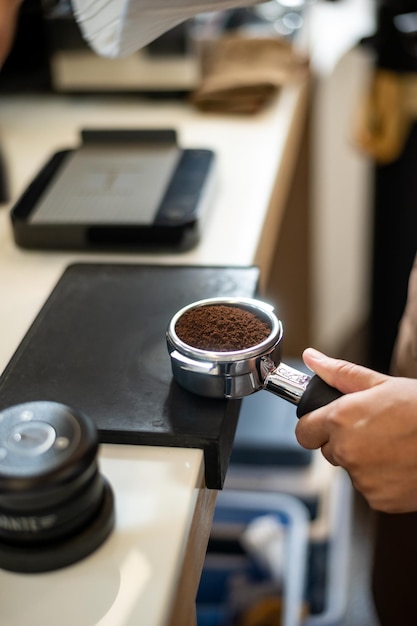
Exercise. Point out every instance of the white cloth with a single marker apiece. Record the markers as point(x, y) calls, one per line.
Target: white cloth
point(116, 28)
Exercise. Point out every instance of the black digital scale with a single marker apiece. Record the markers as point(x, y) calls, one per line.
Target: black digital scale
point(119, 190)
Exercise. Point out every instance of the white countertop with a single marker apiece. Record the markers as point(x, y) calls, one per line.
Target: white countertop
point(255, 157)
point(130, 579)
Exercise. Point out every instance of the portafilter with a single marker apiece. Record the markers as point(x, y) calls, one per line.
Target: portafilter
point(239, 372)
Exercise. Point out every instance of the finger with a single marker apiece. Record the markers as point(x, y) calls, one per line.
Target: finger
point(312, 430)
point(326, 451)
point(345, 376)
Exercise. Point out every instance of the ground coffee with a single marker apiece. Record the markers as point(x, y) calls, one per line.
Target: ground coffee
point(221, 328)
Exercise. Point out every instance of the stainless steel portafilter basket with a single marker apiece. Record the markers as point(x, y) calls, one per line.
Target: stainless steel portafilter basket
point(239, 373)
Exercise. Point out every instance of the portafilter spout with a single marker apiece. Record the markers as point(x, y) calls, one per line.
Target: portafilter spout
point(209, 342)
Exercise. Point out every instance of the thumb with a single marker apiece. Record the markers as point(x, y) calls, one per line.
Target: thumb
point(345, 376)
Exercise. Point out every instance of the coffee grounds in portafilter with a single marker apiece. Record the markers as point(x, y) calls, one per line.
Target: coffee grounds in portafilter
point(221, 328)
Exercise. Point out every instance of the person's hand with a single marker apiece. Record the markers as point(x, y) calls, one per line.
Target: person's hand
point(9, 11)
point(371, 431)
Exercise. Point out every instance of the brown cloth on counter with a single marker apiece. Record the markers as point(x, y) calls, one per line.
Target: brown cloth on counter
point(241, 73)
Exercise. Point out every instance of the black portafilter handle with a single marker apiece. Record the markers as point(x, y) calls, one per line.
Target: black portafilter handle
point(307, 392)
point(317, 394)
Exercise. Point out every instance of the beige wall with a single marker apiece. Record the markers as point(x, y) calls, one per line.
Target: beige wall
point(341, 201)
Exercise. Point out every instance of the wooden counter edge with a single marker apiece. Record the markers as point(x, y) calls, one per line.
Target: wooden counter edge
point(278, 201)
point(183, 612)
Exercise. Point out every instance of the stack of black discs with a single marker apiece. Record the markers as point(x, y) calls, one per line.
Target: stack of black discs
point(55, 506)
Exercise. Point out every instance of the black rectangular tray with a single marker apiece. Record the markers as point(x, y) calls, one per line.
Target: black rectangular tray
point(98, 345)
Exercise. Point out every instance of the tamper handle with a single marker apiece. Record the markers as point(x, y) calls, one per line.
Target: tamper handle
point(316, 394)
